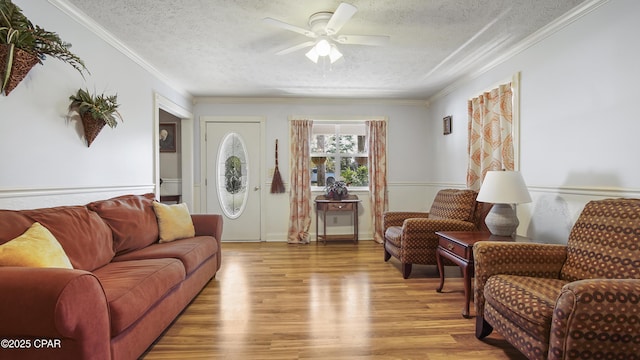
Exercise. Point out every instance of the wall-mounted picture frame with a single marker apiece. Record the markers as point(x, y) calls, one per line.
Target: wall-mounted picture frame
point(167, 137)
point(446, 125)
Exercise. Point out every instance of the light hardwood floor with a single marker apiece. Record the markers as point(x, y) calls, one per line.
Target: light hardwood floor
point(334, 301)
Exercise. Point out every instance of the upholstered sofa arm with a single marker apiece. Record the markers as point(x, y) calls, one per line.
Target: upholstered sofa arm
point(511, 258)
point(397, 218)
point(597, 318)
point(208, 225)
point(52, 313)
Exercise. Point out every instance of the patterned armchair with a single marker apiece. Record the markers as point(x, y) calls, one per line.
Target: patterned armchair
point(410, 236)
point(579, 301)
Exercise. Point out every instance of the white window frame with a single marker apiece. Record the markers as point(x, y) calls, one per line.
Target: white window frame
point(338, 156)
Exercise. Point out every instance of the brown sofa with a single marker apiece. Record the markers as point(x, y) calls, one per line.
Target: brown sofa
point(574, 301)
point(125, 287)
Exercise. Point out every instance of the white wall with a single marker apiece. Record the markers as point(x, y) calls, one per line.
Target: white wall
point(578, 129)
point(579, 119)
point(45, 160)
point(406, 134)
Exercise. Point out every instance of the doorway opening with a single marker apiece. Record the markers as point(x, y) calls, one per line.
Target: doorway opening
point(170, 158)
point(180, 164)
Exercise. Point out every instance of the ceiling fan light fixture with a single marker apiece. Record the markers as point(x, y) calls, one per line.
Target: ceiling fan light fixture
point(313, 55)
point(323, 47)
point(324, 28)
point(334, 54)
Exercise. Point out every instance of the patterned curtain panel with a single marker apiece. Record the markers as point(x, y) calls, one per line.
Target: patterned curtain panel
point(377, 138)
point(300, 193)
point(490, 134)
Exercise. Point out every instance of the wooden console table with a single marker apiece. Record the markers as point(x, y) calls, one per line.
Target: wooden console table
point(170, 198)
point(457, 246)
point(324, 205)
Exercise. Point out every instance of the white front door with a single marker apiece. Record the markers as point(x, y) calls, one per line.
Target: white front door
point(233, 177)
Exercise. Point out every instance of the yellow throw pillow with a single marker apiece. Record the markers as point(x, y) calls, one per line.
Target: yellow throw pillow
point(37, 247)
point(174, 221)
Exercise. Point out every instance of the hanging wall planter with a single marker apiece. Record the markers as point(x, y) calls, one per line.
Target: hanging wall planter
point(22, 45)
point(20, 63)
point(92, 127)
point(96, 111)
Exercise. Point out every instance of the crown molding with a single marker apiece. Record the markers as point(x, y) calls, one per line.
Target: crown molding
point(550, 29)
point(84, 20)
point(306, 100)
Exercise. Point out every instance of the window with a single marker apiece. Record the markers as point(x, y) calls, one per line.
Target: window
point(339, 152)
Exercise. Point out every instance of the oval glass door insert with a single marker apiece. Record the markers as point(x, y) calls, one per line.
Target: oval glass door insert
point(232, 175)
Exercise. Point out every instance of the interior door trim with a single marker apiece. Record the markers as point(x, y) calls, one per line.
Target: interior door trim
point(206, 119)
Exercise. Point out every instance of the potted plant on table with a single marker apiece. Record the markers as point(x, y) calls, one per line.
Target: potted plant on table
point(336, 190)
point(95, 111)
point(23, 45)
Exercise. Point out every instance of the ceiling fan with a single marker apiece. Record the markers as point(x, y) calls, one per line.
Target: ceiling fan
point(323, 29)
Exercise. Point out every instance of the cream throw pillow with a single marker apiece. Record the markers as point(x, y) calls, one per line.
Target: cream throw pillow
point(37, 247)
point(174, 221)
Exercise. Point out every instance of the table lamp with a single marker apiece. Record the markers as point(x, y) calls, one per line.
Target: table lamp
point(503, 189)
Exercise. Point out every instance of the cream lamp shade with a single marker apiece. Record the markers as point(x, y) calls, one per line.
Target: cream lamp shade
point(503, 189)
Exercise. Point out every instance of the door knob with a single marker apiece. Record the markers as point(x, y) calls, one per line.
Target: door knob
point(256, 188)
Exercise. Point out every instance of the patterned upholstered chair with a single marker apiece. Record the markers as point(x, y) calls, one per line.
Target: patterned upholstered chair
point(410, 236)
point(579, 301)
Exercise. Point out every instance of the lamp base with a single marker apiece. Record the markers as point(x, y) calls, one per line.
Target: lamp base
point(502, 220)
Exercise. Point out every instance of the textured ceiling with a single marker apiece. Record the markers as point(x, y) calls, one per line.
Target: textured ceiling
point(223, 48)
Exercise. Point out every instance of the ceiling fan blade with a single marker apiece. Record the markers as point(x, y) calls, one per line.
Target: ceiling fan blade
point(296, 47)
point(371, 40)
point(287, 26)
point(343, 13)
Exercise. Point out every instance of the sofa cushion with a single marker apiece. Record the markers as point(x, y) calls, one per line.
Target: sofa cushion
point(174, 221)
point(454, 204)
point(36, 247)
point(13, 224)
point(85, 238)
point(192, 252)
point(133, 287)
point(131, 219)
point(526, 301)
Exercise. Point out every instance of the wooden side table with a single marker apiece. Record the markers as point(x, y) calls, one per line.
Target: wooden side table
point(457, 246)
point(170, 198)
point(324, 205)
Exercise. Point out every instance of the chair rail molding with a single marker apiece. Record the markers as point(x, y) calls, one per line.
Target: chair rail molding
point(587, 191)
point(31, 198)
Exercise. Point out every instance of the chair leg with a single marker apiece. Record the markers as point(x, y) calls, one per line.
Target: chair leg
point(406, 270)
point(387, 255)
point(483, 328)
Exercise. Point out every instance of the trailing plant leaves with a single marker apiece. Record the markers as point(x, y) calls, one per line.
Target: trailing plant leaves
point(7, 70)
point(16, 29)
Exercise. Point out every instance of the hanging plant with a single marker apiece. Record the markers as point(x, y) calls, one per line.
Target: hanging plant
point(95, 111)
point(23, 45)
